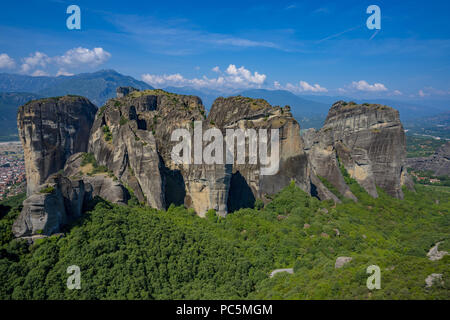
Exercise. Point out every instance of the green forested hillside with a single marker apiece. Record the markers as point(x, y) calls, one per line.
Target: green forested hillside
point(135, 252)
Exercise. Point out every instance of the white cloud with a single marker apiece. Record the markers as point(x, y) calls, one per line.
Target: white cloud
point(216, 69)
point(291, 6)
point(62, 72)
point(39, 73)
point(165, 80)
point(315, 88)
point(6, 62)
point(397, 93)
point(174, 37)
point(304, 86)
point(73, 58)
point(276, 85)
point(364, 86)
point(322, 10)
point(428, 91)
point(38, 59)
point(422, 93)
point(240, 75)
point(80, 56)
point(233, 78)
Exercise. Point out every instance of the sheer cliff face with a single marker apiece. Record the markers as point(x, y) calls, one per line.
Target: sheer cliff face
point(132, 137)
point(51, 130)
point(368, 140)
point(247, 181)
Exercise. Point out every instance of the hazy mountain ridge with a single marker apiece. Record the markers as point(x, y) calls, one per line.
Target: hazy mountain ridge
point(19, 89)
point(97, 86)
point(309, 110)
point(9, 102)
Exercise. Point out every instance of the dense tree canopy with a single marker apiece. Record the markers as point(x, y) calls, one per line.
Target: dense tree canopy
point(135, 252)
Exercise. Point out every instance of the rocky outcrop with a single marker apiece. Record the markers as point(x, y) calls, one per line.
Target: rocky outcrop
point(124, 91)
point(323, 160)
point(97, 183)
point(131, 147)
point(248, 181)
point(63, 197)
point(132, 137)
point(55, 203)
point(434, 279)
point(274, 272)
point(434, 254)
point(438, 163)
point(51, 130)
point(368, 141)
point(342, 261)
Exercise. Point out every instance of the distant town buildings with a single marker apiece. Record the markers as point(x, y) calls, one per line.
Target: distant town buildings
point(420, 178)
point(12, 170)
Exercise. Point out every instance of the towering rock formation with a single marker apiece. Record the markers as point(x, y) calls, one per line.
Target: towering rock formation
point(247, 181)
point(368, 140)
point(130, 148)
point(438, 163)
point(132, 137)
point(51, 130)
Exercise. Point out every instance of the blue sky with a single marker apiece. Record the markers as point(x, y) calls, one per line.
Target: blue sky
point(307, 47)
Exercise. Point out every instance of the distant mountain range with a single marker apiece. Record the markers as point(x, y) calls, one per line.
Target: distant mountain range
point(97, 86)
point(16, 90)
point(309, 110)
point(9, 102)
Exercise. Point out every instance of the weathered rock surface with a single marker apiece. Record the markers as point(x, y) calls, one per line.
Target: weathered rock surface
point(138, 150)
point(63, 197)
point(433, 279)
point(124, 91)
point(55, 203)
point(324, 164)
point(341, 261)
point(368, 141)
point(434, 254)
point(51, 130)
point(101, 184)
point(136, 129)
point(438, 163)
point(247, 181)
point(130, 145)
point(274, 272)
